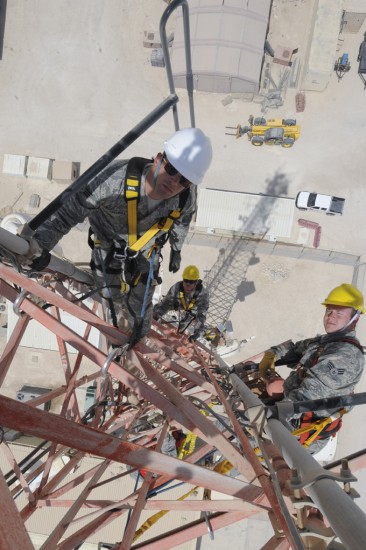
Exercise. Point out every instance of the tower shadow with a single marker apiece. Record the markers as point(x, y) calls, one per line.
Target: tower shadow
point(226, 281)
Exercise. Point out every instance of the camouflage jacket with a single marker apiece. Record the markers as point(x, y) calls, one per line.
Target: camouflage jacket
point(327, 366)
point(172, 301)
point(102, 202)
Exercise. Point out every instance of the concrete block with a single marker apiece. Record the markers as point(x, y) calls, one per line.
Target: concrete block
point(64, 171)
point(39, 168)
point(15, 165)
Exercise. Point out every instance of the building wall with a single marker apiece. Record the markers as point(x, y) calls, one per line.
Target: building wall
point(322, 44)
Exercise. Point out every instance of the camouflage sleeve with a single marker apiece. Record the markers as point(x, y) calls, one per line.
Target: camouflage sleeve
point(291, 351)
point(74, 211)
point(169, 302)
point(77, 207)
point(181, 226)
point(337, 371)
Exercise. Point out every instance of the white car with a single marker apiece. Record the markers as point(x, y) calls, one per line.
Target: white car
point(306, 200)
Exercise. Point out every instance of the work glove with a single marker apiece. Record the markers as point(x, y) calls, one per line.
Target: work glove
point(267, 365)
point(174, 261)
point(195, 335)
point(155, 315)
point(36, 258)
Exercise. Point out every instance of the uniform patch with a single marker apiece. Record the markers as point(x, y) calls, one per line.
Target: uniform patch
point(332, 369)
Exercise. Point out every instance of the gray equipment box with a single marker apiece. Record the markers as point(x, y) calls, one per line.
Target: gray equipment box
point(26, 393)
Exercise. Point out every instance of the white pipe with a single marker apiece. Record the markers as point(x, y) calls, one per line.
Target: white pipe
point(345, 518)
point(14, 243)
point(20, 246)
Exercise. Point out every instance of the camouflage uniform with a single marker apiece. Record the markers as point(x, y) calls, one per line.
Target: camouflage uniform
point(102, 202)
point(172, 301)
point(327, 367)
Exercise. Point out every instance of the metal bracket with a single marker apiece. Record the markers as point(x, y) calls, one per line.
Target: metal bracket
point(17, 303)
point(116, 352)
point(297, 481)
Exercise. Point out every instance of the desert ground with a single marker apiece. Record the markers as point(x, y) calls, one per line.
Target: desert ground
point(75, 78)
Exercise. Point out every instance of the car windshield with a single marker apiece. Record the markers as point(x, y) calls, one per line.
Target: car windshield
point(311, 199)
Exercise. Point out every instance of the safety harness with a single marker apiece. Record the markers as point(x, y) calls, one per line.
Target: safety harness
point(132, 194)
point(134, 266)
point(313, 427)
point(122, 250)
point(193, 300)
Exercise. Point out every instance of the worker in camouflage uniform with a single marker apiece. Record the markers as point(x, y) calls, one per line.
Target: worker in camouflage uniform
point(187, 297)
point(329, 365)
point(133, 207)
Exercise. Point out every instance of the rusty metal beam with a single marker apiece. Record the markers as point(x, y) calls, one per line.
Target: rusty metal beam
point(42, 424)
point(13, 533)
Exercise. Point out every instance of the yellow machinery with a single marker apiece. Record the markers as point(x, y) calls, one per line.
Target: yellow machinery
point(271, 131)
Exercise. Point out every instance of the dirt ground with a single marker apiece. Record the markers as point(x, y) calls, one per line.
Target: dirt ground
point(75, 78)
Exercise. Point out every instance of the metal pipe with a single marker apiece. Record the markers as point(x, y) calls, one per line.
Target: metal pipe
point(344, 516)
point(13, 243)
point(101, 163)
point(336, 402)
point(67, 268)
point(18, 245)
point(168, 66)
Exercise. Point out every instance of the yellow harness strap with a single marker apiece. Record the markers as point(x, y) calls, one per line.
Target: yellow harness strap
point(184, 303)
point(132, 196)
point(164, 225)
point(317, 426)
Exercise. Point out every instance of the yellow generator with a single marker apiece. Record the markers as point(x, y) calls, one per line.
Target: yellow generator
point(271, 131)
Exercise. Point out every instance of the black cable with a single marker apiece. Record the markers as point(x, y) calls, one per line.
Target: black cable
point(25, 463)
point(217, 416)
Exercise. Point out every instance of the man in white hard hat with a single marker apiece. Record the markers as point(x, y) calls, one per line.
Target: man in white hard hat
point(133, 208)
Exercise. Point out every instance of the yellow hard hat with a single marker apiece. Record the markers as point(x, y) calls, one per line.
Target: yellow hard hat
point(347, 296)
point(191, 273)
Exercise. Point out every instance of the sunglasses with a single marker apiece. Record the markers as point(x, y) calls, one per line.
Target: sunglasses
point(171, 171)
point(189, 282)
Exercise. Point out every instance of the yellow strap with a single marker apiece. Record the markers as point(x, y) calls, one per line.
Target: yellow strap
point(188, 445)
point(150, 233)
point(318, 426)
point(153, 519)
point(131, 196)
point(222, 468)
point(124, 287)
point(184, 303)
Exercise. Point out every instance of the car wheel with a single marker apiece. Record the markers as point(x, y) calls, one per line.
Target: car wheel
point(288, 142)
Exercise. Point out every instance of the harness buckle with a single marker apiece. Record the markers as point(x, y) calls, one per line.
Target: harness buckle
point(130, 253)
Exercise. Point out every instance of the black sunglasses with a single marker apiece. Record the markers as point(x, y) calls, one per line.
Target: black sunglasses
point(171, 171)
point(189, 282)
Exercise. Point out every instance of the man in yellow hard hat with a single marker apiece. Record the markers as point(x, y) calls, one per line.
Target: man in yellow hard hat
point(329, 365)
point(187, 297)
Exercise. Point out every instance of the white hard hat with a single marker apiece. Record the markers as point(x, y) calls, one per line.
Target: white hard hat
point(190, 152)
